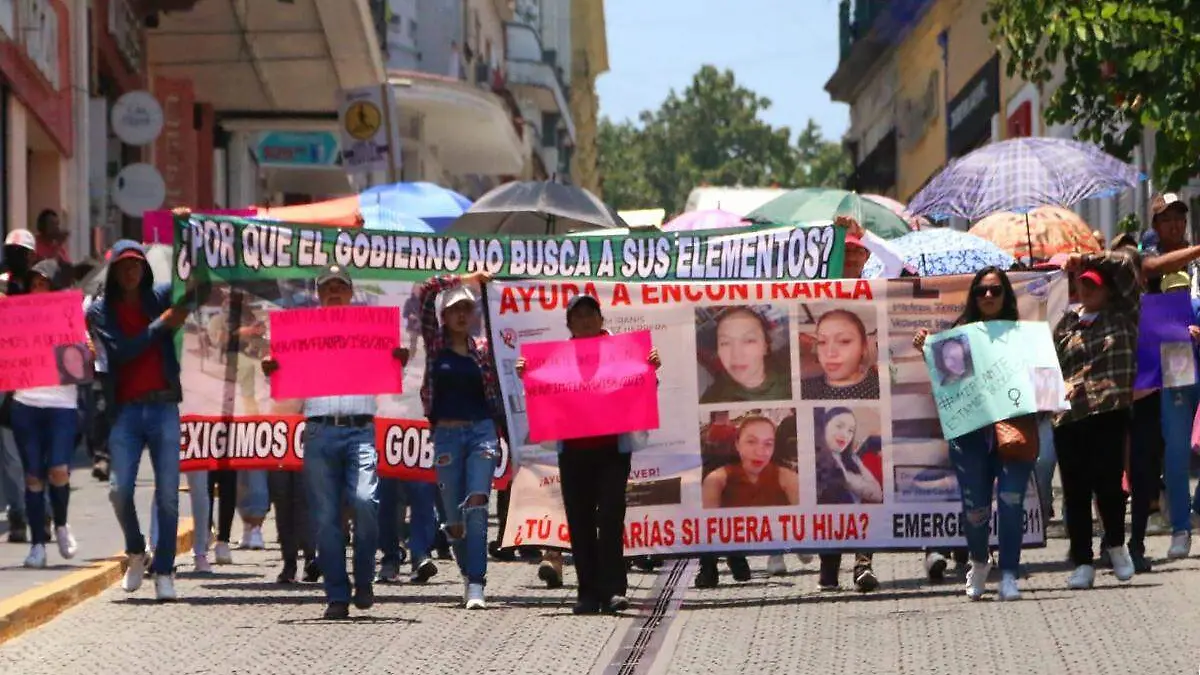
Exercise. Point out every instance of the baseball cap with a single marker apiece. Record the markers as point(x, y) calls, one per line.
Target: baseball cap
point(133, 252)
point(1175, 280)
point(1165, 201)
point(22, 238)
point(334, 272)
point(452, 296)
point(1092, 276)
point(583, 299)
point(852, 240)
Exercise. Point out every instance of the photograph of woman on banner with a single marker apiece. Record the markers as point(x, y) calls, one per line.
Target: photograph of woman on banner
point(839, 355)
point(752, 470)
point(743, 354)
point(952, 359)
point(848, 456)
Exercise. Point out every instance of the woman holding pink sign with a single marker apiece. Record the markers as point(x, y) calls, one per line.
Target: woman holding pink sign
point(594, 472)
point(45, 421)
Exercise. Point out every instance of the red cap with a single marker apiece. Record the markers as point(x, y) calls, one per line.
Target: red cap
point(129, 253)
point(1092, 276)
point(852, 240)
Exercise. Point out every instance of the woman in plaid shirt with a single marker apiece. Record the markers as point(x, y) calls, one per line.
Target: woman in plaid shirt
point(461, 397)
point(1097, 344)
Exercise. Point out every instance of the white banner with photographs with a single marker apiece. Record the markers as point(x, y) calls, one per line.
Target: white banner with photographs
point(794, 416)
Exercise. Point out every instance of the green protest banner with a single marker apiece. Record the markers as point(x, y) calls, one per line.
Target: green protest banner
point(989, 371)
point(237, 249)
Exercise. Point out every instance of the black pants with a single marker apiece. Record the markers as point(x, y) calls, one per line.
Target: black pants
point(832, 562)
point(291, 515)
point(1091, 460)
point(97, 421)
point(1145, 466)
point(593, 489)
point(224, 482)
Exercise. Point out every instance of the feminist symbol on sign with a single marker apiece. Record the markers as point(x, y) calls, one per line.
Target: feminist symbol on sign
point(1014, 395)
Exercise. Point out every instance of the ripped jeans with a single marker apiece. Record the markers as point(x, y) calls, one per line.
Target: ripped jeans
point(465, 459)
point(980, 473)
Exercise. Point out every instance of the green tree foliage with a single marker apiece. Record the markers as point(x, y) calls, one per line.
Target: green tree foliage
point(1129, 67)
point(710, 134)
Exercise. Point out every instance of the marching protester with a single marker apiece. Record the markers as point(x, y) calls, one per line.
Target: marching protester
point(340, 468)
point(1096, 345)
point(19, 256)
point(461, 398)
point(594, 472)
point(136, 323)
point(1166, 256)
point(45, 421)
point(422, 529)
point(983, 464)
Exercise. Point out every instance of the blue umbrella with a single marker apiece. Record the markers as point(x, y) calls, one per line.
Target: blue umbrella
point(1023, 174)
point(938, 251)
point(434, 204)
point(382, 218)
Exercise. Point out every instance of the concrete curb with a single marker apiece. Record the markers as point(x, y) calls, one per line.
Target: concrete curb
point(39, 605)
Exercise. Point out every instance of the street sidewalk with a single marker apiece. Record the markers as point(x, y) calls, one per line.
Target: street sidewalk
point(30, 597)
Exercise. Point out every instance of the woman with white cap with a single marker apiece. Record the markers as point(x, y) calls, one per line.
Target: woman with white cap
point(461, 398)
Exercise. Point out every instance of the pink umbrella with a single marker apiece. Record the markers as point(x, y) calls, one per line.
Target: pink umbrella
point(713, 219)
point(914, 222)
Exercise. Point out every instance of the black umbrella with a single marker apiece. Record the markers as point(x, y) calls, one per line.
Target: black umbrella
point(536, 207)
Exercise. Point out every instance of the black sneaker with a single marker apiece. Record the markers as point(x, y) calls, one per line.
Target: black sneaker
point(586, 606)
point(337, 610)
point(647, 564)
point(423, 572)
point(739, 567)
point(1141, 565)
point(287, 575)
point(364, 598)
point(312, 572)
point(707, 577)
point(865, 581)
point(389, 573)
point(100, 470)
point(935, 566)
point(16, 528)
point(616, 604)
point(500, 554)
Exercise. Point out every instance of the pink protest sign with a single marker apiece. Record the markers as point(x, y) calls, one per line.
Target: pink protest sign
point(43, 341)
point(335, 351)
point(590, 387)
point(158, 226)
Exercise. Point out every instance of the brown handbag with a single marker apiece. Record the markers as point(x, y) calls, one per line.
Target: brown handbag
point(1017, 439)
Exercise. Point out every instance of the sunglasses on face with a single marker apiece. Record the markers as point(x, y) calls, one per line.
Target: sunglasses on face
point(989, 290)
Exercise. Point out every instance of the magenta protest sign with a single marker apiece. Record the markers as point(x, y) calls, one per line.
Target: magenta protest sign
point(335, 351)
point(43, 341)
point(590, 387)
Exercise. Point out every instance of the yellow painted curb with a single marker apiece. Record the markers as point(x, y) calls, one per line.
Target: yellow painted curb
point(28, 610)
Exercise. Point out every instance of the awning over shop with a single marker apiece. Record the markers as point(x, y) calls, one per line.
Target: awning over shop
point(269, 55)
point(468, 129)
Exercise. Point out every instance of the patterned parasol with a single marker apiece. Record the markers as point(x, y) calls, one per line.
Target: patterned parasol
point(1051, 230)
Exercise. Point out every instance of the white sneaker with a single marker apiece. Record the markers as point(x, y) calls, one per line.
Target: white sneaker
point(1122, 564)
point(256, 539)
point(475, 597)
point(935, 566)
point(1008, 587)
point(135, 569)
point(977, 575)
point(37, 556)
point(222, 553)
point(67, 546)
point(202, 564)
point(1181, 546)
point(1083, 578)
point(776, 566)
point(164, 587)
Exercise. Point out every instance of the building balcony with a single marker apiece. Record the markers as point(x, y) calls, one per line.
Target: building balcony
point(531, 75)
point(869, 30)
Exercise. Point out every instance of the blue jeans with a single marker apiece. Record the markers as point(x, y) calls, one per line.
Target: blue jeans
point(422, 528)
point(254, 500)
point(197, 482)
point(45, 438)
point(1178, 414)
point(1047, 461)
point(465, 459)
point(979, 469)
point(154, 426)
point(339, 467)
